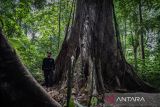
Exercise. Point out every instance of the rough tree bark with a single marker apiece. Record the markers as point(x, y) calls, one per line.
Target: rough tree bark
point(93, 38)
point(70, 46)
point(17, 87)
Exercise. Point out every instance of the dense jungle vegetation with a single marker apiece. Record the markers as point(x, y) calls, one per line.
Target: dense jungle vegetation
point(34, 27)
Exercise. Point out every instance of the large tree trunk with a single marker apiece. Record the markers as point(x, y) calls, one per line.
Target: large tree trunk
point(70, 47)
point(17, 87)
point(93, 34)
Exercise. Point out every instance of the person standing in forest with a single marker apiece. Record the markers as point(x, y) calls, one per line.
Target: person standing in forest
point(48, 67)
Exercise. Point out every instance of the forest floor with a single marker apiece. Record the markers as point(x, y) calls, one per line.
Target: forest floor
point(59, 94)
point(81, 91)
point(81, 94)
point(82, 97)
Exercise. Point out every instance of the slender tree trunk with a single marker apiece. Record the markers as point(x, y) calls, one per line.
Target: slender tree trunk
point(93, 33)
point(17, 87)
point(125, 42)
point(141, 31)
point(59, 24)
point(135, 58)
point(135, 46)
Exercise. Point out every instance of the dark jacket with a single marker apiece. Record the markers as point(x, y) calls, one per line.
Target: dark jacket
point(48, 64)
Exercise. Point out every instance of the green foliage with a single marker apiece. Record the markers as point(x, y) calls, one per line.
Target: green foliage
point(32, 29)
point(94, 101)
point(71, 103)
point(129, 19)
